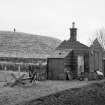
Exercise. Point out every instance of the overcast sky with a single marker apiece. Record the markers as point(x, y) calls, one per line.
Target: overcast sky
point(53, 17)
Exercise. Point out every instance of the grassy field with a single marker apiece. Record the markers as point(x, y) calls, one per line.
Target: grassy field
point(93, 94)
point(32, 91)
point(24, 45)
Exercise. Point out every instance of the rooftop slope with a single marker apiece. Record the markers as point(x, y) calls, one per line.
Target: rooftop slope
point(71, 45)
point(16, 44)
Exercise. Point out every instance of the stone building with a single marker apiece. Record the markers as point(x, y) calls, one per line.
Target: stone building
point(96, 56)
point(74, 56)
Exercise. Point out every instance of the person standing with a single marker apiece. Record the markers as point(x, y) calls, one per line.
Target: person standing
point(68, 73)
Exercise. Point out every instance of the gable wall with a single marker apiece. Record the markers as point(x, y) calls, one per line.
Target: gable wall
point(96, 59)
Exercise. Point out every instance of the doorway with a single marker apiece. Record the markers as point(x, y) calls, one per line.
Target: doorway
point(80, 64)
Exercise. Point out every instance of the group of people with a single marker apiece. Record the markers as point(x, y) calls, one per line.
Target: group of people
point(32, 74)
point(36, 73)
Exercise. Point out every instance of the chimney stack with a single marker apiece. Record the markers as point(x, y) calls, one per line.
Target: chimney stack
point(73, 33)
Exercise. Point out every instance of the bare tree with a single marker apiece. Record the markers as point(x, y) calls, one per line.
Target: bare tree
point(100, 35)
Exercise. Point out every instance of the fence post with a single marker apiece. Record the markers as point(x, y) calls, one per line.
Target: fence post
point(5, 69)
point(19, 70)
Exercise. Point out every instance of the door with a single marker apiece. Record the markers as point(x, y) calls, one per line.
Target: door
point(104, 67)
point(96, 61)
point(80, 63)
point(55, 68)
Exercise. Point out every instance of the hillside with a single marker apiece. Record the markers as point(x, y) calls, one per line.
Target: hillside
point(17, 44)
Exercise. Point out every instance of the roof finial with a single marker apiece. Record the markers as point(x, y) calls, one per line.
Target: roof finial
point(73, 24)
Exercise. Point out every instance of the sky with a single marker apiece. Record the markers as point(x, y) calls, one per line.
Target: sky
point(53, 18)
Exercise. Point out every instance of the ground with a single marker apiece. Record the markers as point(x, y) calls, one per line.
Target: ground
point(92, 94)
point(18, 94)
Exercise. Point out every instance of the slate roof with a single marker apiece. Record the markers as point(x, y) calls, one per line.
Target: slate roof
point(60, 53)
point(71, 45)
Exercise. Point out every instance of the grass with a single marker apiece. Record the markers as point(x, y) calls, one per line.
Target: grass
point(26, 45)
point(51, 92)
point(93, 94)
point(18, 94)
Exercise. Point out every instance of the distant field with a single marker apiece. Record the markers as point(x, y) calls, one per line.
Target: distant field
point(18, 44)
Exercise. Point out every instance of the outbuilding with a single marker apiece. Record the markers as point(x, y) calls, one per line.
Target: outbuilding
point(76, 58)
point(69, 54)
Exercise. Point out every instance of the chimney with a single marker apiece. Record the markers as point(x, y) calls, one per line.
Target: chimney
point(73, 33)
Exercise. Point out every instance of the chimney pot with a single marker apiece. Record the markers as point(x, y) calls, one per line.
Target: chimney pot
point(73, 25)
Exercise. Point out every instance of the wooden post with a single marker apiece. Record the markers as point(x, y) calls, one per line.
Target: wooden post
point(19, 70)
point(5, 69)
point(1, 66)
